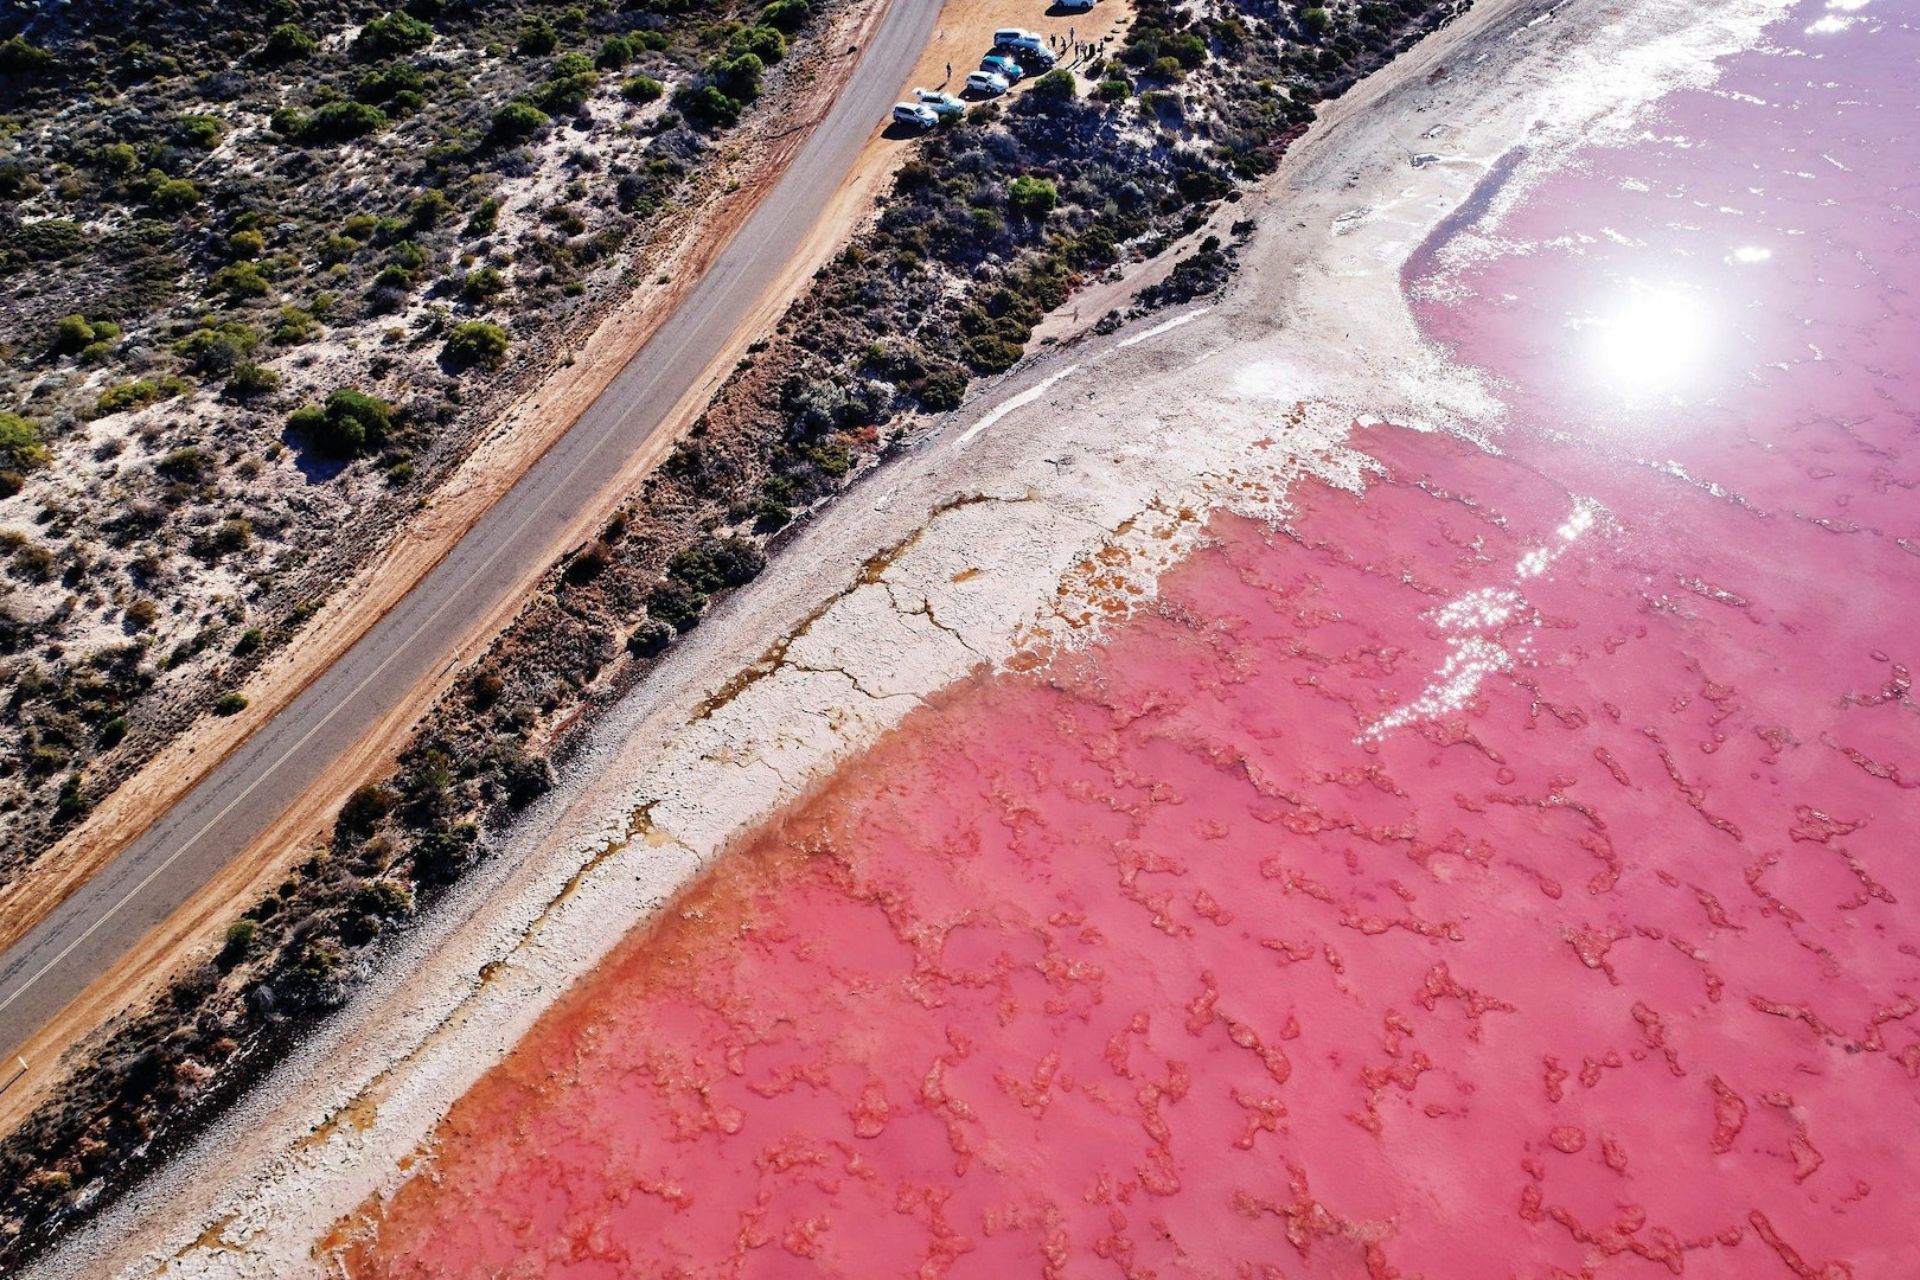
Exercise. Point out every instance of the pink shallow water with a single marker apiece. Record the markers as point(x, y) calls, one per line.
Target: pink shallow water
point(1505, 872)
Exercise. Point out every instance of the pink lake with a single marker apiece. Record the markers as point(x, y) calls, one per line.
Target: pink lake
point(1498, 873)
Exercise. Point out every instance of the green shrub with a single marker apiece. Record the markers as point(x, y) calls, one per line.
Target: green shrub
point(1057, 85)
point(174, 195)
point(396, 33)
point(244, 245)
point(615, 53)
point(764, 43)
point(200, 132)
point(388, 83)
point(1032, 197)
point(21, 450)
point(288, 43)
point(48, 240)
point(676, 604)
point(230, 704)
point(486, 216)
point(136, 395)
point(237, 942)
point(786, 15)
point(17, 57)
point(716, 564)
point(706, 105)
point(476, 342)
point(642, 89)
point(517, 121)
point(482, 285)
point(649, 639)
point(72, 333)
point(241, 280)
point(117, 158)
point(250, 380)
point(294, 326)
point(340, 122)
point(72, 802)
point(428, 209)
point(217, 349)
point(944, 389)
point(564, 95)
point(349, 424)
point(537, 39)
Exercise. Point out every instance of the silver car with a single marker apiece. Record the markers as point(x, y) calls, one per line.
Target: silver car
point(941, 104)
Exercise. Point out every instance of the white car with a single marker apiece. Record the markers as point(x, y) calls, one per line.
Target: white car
point(1018, 37)
point(986, 83)
point(941, 104)
point(1076, 6)
point(912, 113)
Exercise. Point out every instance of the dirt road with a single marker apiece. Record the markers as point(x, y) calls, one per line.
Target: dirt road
point(225, 814)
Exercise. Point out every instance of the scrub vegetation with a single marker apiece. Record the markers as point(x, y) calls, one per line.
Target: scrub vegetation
point(267, 270)
point(996, 218)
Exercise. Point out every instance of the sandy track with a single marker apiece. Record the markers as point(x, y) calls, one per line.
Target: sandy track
point(1017, 524)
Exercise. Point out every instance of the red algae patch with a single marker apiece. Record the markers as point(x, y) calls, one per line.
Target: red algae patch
point(1168, 961)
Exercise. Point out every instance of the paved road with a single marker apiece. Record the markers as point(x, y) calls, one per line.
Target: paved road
point(219, 818)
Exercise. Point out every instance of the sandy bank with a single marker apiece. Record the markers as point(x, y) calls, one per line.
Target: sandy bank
point(1015, 525)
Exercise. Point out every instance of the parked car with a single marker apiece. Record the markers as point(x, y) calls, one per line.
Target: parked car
point(986, 84)
point(1031, 59)
point(941, 104)
point(1024, 44)
point(914, 115)
point(1001, 65)
point(1075, 6)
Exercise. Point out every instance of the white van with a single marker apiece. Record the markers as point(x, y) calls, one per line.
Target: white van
point(1018, 38)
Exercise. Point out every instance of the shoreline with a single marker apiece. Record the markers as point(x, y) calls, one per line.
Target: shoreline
point(1005, 530)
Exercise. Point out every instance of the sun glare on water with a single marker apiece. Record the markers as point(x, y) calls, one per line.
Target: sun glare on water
point(1651, 343)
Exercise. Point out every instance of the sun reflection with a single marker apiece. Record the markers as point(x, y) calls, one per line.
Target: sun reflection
point(1651, 343)
point(1471, 625)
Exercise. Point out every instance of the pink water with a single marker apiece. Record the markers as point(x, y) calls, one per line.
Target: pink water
point(1501, 873)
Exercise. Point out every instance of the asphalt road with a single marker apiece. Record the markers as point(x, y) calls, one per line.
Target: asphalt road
point(218, 819)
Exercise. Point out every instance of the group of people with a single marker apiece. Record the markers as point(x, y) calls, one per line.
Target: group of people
point(1081, 49)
